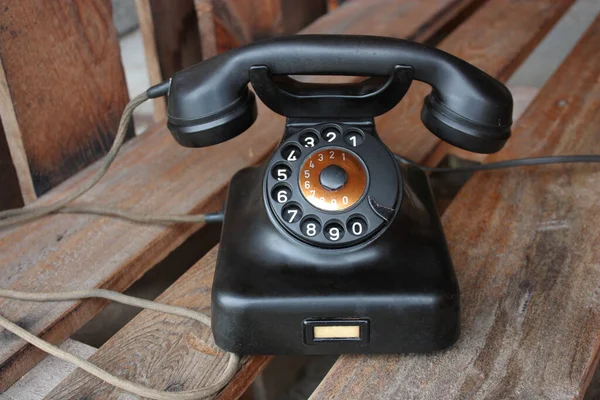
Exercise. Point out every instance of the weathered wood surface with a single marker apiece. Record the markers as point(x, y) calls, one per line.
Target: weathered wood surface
point(40, 381)
point(161, 45)
point(151, 173)
point(524, 243)
point(227, 24)
point(65, 83)
point(123, 349)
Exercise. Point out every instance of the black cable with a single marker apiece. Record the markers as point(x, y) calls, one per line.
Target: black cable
point(520, 162)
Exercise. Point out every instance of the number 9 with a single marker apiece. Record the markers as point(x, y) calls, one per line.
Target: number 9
point(334, 233)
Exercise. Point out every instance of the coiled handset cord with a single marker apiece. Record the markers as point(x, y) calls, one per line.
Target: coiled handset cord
point(26, 214)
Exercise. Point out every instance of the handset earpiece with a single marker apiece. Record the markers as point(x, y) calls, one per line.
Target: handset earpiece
point(476, 116)
point(210, 102)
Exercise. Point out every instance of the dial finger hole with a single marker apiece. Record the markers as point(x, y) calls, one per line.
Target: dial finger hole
point(334, 231)
point(357, 226)
point(330, 134)
point(291, 213)
point(310, 227)
point(281, 194)
point(291, 152)
point(281, 172)
point(309, 139)
point(354, 138)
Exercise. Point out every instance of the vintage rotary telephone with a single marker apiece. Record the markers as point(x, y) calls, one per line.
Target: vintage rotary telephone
point(331, 246)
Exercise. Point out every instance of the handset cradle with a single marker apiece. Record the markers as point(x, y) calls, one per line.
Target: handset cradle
point(372, 97)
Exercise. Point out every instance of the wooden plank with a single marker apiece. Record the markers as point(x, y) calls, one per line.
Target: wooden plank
point(40, 381)
point(176, 35)
point(64, 79)
point(119, 351)
point(157, 178)
point(527, 261)
point(149, 37)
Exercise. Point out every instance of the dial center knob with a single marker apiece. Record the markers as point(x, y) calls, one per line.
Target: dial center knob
point(333, 177)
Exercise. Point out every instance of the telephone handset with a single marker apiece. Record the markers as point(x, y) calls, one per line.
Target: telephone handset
point(209, 102)
point(331, 246)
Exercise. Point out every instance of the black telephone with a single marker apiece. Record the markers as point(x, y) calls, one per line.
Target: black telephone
point(331, 246)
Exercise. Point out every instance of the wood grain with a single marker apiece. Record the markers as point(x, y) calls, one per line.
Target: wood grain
point(524, 243)
point(176, 35)
point(227, 24)
point(119, 351)
point(40, 381)
point(65, 82)
point(149, 38)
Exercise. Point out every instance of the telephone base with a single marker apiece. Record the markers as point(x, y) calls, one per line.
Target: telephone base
point(272, 294)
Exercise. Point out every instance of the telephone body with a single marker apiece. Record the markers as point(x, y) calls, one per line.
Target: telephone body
point(331, 246)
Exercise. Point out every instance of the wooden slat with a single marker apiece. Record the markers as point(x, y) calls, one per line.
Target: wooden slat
point(151, 39)
point(175, 35)
point(65, 85)
point(40, 381)
point(123, 350)
point(524, 243)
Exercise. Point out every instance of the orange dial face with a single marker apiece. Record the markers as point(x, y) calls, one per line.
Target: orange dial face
point(332, 179)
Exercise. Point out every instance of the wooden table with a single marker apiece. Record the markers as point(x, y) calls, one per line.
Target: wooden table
point(522, 240)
